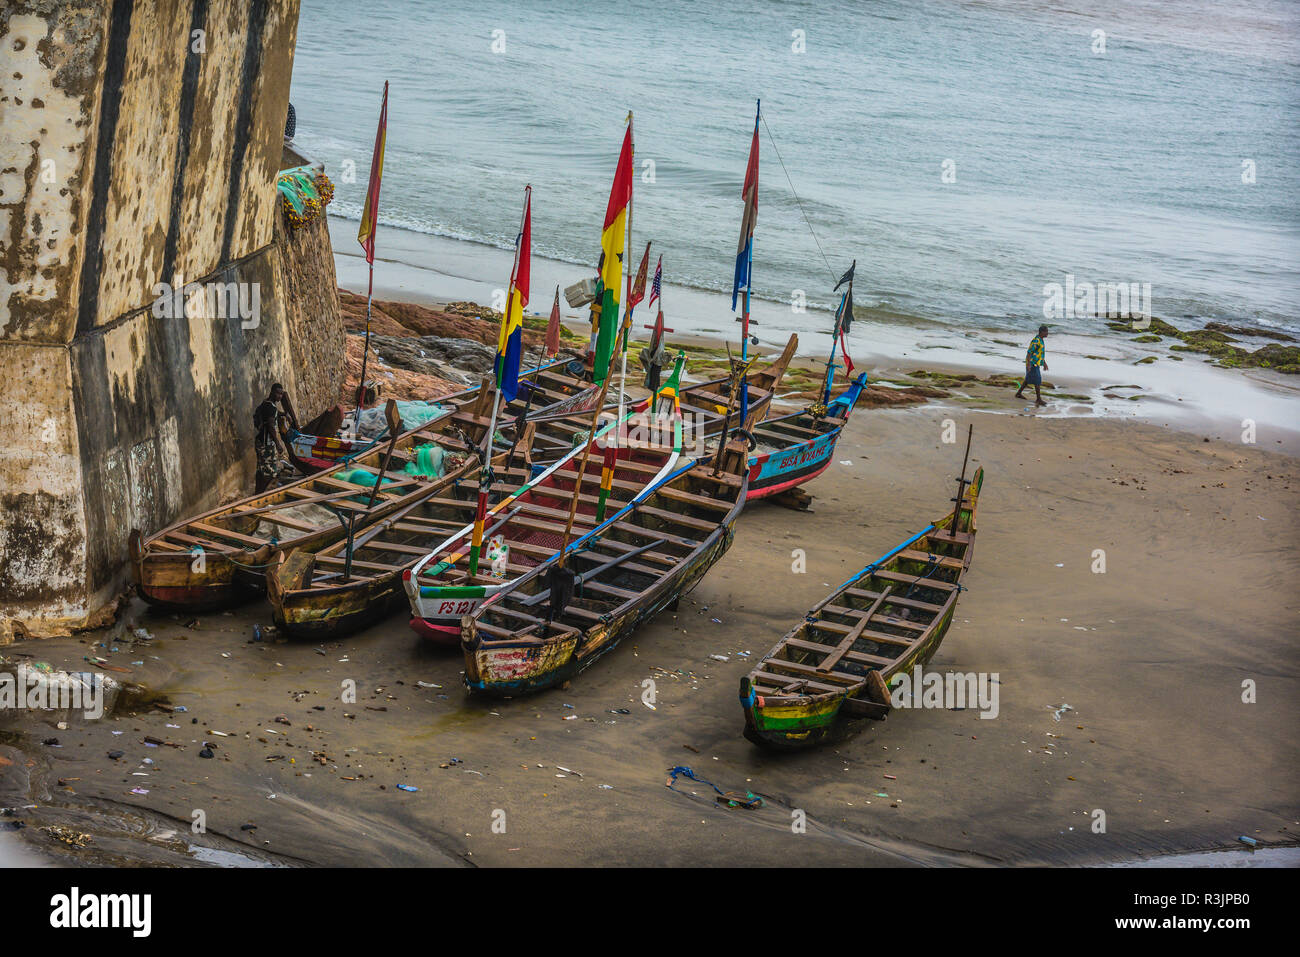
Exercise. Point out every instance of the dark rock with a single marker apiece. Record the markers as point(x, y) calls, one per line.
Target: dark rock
point(435, 355)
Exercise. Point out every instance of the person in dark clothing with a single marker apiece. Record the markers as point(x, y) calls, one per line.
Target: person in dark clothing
point(265, 439)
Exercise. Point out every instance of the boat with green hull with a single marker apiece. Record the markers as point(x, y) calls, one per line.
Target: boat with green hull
point(839, 662)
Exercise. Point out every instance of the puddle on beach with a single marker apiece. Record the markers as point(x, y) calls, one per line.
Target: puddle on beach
point(1267, 857)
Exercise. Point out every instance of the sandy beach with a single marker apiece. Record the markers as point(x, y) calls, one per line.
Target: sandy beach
point(1199, 537)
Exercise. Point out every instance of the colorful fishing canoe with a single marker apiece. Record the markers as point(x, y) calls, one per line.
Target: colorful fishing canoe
point(219, 557)
point(527, 637)
point(423, 550)
point(528, 528)
point(347, 585)
point(838, 663)
point(793, 449)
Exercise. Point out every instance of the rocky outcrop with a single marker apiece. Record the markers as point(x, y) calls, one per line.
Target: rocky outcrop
point(395, 382)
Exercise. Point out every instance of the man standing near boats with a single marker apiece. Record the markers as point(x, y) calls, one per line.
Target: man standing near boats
point(265, 440)
point(1035, 358)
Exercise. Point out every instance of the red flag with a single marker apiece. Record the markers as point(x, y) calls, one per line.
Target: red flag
point(524, 271)
point(848, 363)
point(370, 216)
point(612, 265)
point(553, 328)
point(638, 287)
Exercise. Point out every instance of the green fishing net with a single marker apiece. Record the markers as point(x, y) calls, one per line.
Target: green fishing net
point(304, 194)
point(427, 461)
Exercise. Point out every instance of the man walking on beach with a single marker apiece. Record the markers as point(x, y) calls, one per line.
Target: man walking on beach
point(265, 415)
point(1035, 358)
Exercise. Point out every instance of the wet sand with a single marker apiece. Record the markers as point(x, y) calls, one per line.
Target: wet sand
point(1198, 596)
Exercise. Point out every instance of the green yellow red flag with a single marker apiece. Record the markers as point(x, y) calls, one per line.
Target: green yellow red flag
point(611, 270)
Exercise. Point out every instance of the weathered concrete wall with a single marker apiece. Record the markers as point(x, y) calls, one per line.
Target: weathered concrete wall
point(316, 342)
point(50, 70)
point(140, 145)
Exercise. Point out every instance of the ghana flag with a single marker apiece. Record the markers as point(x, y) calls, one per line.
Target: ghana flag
point(510, 341)
point(611, 246)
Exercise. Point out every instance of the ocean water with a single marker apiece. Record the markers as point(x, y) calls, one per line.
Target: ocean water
point(1122, 166)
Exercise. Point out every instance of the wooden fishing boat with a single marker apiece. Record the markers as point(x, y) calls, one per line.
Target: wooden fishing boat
point(528, 637)
point(219, 557)
point(793, 449)
point(441, 593)
point(422, 551)
point(838, 663)
point(548, 392)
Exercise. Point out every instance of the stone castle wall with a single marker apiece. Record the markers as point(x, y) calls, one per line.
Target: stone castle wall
point(139, 145)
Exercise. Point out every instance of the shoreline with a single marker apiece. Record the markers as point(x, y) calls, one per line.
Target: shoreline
point(1192, 396)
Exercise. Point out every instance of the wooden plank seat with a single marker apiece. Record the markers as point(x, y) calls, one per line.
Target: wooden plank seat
point(930, 582)
point(895, 600)
point(945, 561)
point(777, 681)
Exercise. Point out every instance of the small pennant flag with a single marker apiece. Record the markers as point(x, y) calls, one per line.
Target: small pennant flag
point(553, 328)
point(638, 287)
point(658, 282)
point(637, 294)
point(510, 341)
point(370, 215)
point(844, 348)
point(844, 318)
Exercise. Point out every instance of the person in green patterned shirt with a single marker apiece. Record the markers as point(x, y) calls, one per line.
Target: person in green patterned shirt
point(1035, 358)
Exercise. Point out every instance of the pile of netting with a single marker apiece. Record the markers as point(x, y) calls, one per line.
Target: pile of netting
point(304, 194)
